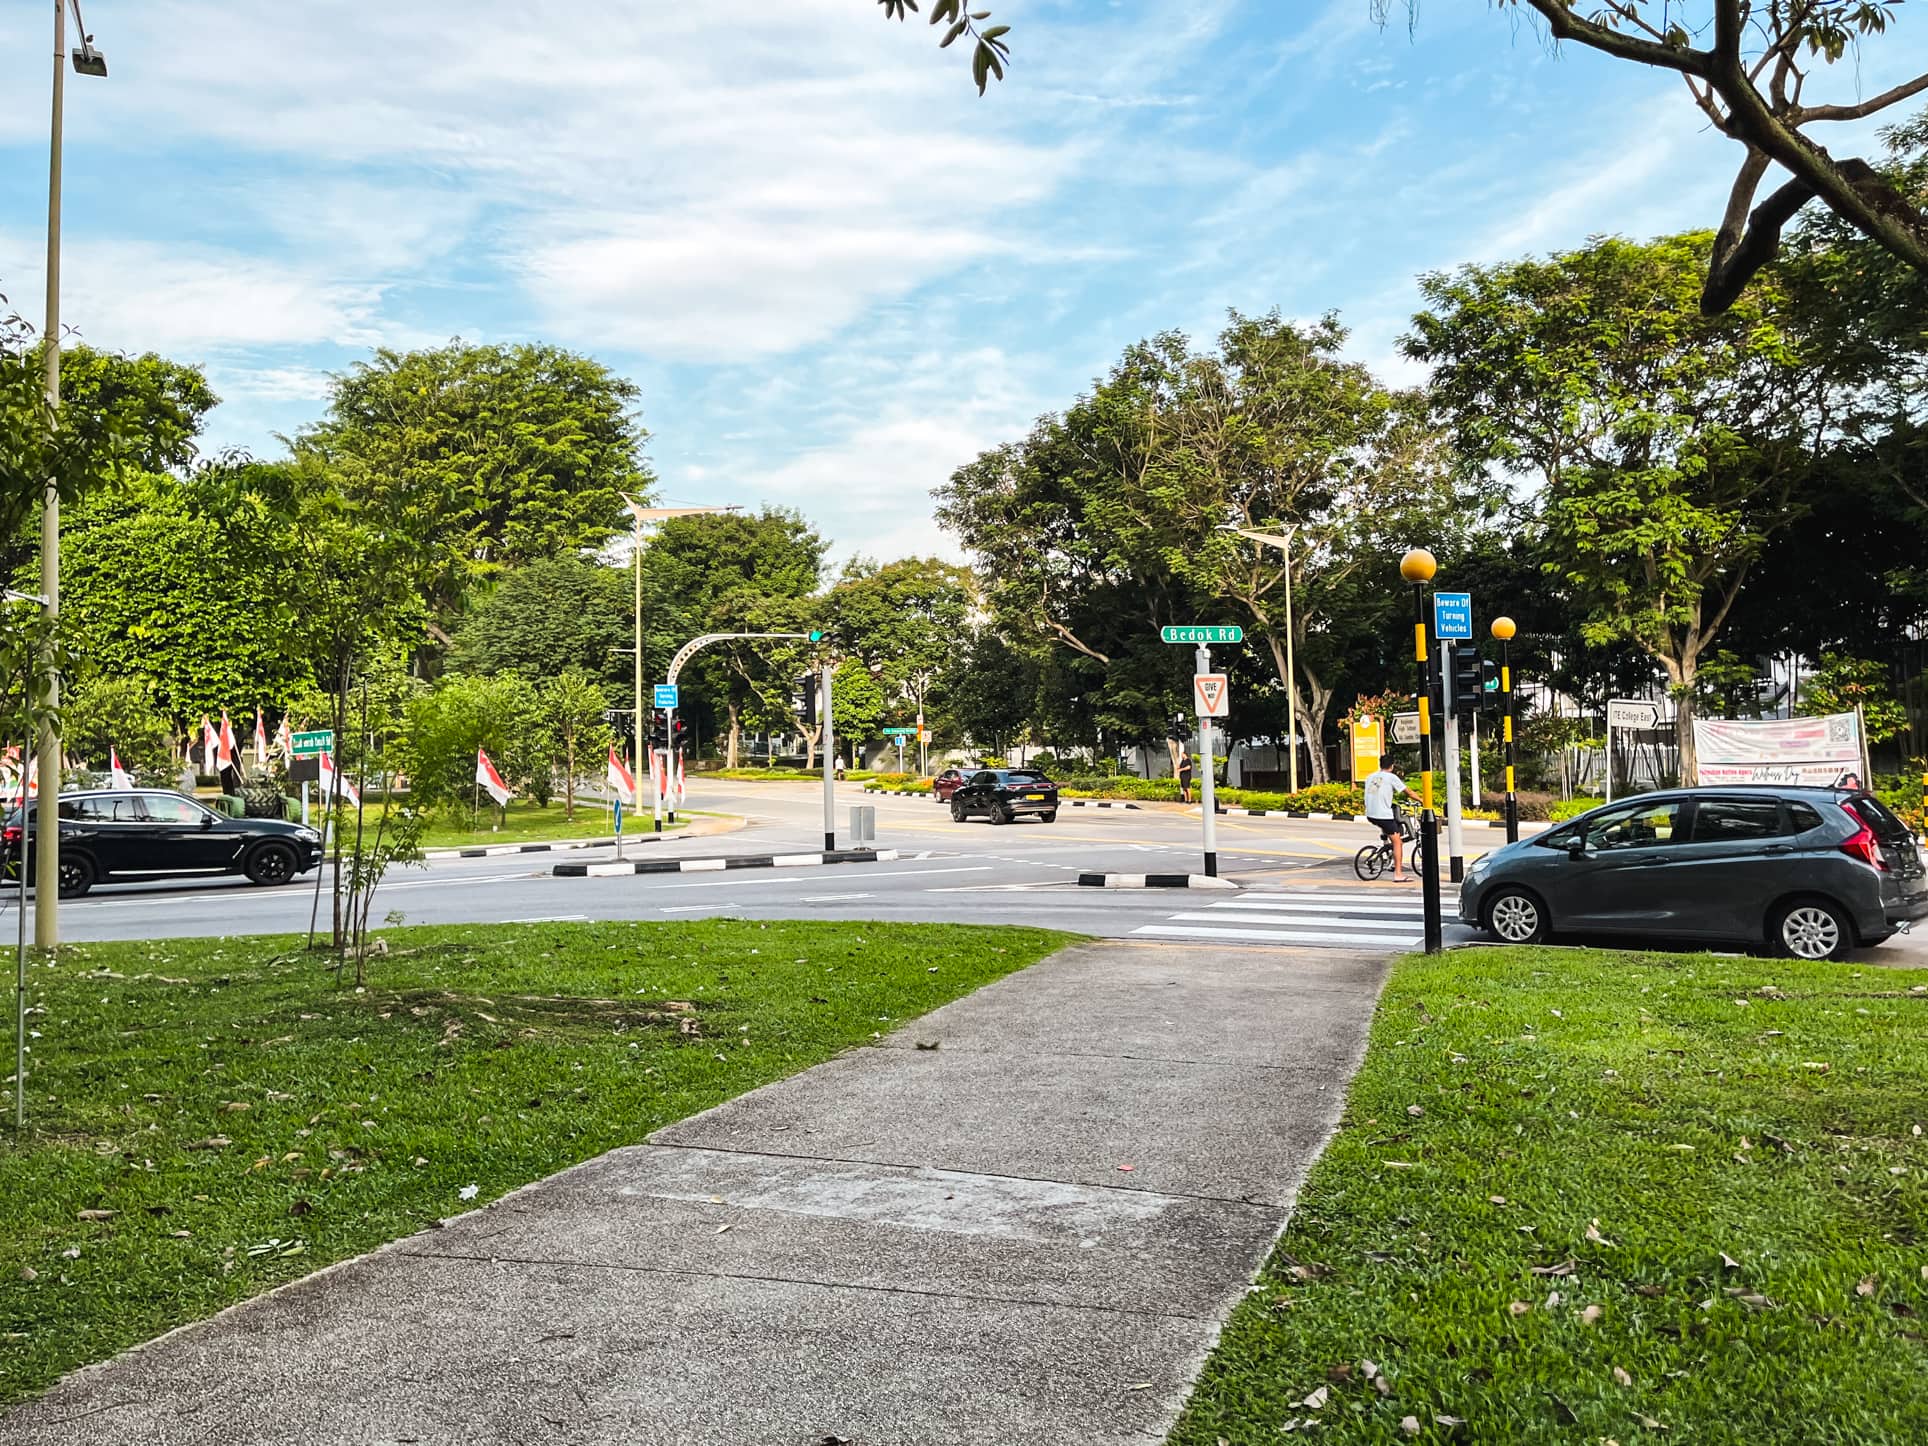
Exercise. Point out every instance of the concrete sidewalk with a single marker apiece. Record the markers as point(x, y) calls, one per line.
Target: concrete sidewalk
point(1028, 1234)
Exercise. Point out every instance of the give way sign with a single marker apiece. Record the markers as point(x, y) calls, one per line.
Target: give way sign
point(1213, 694)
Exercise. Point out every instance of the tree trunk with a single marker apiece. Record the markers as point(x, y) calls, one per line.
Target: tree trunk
point(810, 737)
point(569, 777)
point(1684, 735)
point(736, 734)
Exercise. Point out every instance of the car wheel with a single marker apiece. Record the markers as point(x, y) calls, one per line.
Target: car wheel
point(1001, 813)
point(1051, 817)
point(957, 812)
point(1369, 862)
point(76, 875)
point(270, 864)
point(1513, 916)
point(1811, 929)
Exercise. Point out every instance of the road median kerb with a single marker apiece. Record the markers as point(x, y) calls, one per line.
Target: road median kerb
point(1154, 881)
point(613, 868)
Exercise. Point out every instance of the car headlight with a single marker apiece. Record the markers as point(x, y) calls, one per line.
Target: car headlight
point(307, 835)
point(1479, 867)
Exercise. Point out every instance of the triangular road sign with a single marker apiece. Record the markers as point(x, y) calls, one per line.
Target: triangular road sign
point(1212, 693)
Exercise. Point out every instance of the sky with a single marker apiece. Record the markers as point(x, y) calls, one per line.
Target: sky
point(834, 271)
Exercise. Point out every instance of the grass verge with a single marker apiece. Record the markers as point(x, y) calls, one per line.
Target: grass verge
point(525, 823)
point(241, 1121)
point(1590, 1197)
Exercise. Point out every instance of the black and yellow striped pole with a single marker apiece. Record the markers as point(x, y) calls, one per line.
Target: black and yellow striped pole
point(1503, 629)
point(1417, 567)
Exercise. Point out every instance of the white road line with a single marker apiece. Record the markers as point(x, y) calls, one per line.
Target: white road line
point(699, 908)
point(1397, 926)
point(551, 919)
point(759, 876)
point(1350, 911)
point(1268, 936)
point(831, 898)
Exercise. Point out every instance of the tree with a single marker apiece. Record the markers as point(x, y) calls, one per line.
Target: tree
point(572, 718)
point(857, 706)
point(905, 617)
point(483, 457)
point(1671, 444)
point(1750, 83)
point(501, 715)
point(988, 691)
point(549, 615)
point(990, 53)
point(109, 715)
point(1843, 684)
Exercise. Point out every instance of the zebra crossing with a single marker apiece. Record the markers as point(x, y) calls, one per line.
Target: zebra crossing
point(1352, 918)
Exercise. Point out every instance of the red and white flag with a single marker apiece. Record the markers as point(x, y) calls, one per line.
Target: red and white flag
point(118, 777)
point(621, 781)
point(284, 741)
point(333, 784)
point(260, 741)
point(210, 744)
point(226, 750)
point(655, 776)
point(682, 792)
point(490, 780)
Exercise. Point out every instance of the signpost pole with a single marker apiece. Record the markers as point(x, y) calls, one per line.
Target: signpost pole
point(1417, 567)
point(829, 766)
point(1455, 850)
point(304, 803)
point(669, 759)
point(1503, 629)
point(1206, 795)
point(1473, 747)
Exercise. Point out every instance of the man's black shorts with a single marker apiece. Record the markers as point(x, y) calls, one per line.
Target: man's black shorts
point(1388, 827)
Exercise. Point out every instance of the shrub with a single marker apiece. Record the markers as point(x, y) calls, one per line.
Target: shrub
point(1563, 809)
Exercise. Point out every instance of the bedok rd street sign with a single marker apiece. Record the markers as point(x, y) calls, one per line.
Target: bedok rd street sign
point(1196, 634)
point(313, 745)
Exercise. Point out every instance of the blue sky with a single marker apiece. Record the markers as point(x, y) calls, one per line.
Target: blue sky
point(835, 272)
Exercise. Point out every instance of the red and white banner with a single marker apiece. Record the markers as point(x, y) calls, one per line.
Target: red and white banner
point(118, 777)
point(621, 781)
point(333, 784)
point(491, 781)
point(226, 750)
point(1812, 751)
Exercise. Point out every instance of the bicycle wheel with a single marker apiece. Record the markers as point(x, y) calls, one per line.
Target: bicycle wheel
point(1370, 862)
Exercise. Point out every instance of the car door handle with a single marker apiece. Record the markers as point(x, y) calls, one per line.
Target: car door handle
point(1778, 849)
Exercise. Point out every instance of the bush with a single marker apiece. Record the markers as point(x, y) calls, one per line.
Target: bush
point(1563, 809)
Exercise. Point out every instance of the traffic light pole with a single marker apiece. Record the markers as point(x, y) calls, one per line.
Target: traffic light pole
point(1503, 629)
point(1417, 567)
point(655, 772)
point(669, 759)
point(1455, 828)
point(829, 765)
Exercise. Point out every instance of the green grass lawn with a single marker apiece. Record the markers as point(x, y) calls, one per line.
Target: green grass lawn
point(1590, 1197)
point(242, 1121)
point(525, 823)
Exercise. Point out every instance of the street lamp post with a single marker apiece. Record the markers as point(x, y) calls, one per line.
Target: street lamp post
point(46, 919)
point(1283, 542)
point(1417, 567)
point(1503, 629)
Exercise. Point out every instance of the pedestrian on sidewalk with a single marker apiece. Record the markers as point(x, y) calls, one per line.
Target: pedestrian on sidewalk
point(1185, 775)
point(1382, 787)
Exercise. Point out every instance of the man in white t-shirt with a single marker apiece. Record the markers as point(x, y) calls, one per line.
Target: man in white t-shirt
point(1382, 787)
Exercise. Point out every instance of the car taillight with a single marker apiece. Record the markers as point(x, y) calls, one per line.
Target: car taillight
point(10, 834)
point(1863, 845)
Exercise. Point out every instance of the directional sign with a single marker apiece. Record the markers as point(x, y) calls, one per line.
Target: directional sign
point(1452, 615)
point(313, 745)
point(1632, 713)
point(666, 695)
point(1232, 634)
point(900, 732)
point(1405, 727)
point(1213, 694)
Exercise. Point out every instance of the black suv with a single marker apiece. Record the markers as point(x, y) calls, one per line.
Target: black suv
point(1004, 793)
point(115, 835)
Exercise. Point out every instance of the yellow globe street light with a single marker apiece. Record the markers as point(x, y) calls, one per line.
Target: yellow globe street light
point(1418, 566)
point(1504, 629)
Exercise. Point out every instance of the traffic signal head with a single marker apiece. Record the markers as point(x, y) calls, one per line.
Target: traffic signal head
point(816, 635)
point(1467, 676)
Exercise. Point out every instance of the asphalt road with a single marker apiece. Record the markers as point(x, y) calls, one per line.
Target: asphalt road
point(1298, 885)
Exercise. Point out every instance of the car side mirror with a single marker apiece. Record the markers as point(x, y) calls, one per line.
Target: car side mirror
point(1577, 851)
point(207, 820)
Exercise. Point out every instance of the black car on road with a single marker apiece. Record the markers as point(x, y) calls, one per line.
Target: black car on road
point(1807, 872)
point(120, 836)
point(1004, 793)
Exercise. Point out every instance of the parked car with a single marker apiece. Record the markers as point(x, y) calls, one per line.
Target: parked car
point(949, 781)
point(1004, 793)
point(1807, 872)
point(118, 836)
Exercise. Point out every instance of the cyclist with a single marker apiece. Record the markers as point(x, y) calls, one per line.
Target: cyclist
point(1383, 786)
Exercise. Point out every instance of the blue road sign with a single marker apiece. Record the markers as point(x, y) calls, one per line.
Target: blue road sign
point(666, 692)
point(1452, 615)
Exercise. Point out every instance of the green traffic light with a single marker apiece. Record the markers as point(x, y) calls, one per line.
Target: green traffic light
point(816, 635)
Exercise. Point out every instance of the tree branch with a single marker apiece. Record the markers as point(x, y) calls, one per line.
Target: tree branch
point(1862, 110)
point(1739, 254)
point(1565, 25)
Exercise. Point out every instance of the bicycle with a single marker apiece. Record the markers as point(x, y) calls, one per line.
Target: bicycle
point(1374, 859)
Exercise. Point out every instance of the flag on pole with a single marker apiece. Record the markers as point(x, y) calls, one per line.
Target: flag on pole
point(226, 749)
point(682, 783)
point(260, 741)
point(333, 784)
point(621, 781)
point(118, 777)
point(284, 742)
point(210, 743)
point(491, 781)
point(656, 789)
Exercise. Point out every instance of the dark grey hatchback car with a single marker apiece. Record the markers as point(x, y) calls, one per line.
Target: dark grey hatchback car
point(1809, 872)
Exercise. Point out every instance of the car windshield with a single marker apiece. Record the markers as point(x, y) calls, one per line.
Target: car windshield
point(1024, 775)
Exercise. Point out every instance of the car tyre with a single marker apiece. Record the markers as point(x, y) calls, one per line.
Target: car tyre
point(957, 812)
point(271, 863)
point(1810, 928)
point(1001, 813)
point(1051, 817)
point(77, 874)
point(1514, 916)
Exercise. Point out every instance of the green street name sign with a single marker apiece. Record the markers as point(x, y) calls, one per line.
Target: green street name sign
point(900, 733)
point(1202, 634)
point(313, 745)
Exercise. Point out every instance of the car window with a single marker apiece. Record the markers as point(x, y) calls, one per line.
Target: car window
point(1876, 814)
point(1803, 817)
point(1025, 775)
point(171, 808)
point(986, 777)
point(101, 810)
point(1735, 820)
point(1640, 826)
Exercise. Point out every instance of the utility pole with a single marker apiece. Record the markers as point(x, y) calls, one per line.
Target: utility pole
point(829, 764)
point(46, 835)
point(1207, 797)
point(1418, 567)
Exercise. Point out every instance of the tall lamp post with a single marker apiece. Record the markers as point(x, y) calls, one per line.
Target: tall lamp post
point(642, 515)
point(1417, 567)
point(1503, 629)
point(46, 874)
point(1283, 542)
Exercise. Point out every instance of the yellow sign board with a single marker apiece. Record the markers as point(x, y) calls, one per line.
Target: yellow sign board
point(1368, 742)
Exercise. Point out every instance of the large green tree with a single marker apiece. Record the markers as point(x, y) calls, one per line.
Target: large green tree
point(1670, 445)
point(549, 615)
point(483, 457)
point(907, 618)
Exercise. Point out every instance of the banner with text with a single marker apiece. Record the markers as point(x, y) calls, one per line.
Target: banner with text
point(1811, 751)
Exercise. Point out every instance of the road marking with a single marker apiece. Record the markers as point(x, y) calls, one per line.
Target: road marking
point(699, 908)
point(831, 898)
point(1390, 911)
point(1269, 936)
point(551, 919)
point(1395, 925)
point(745, 876)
